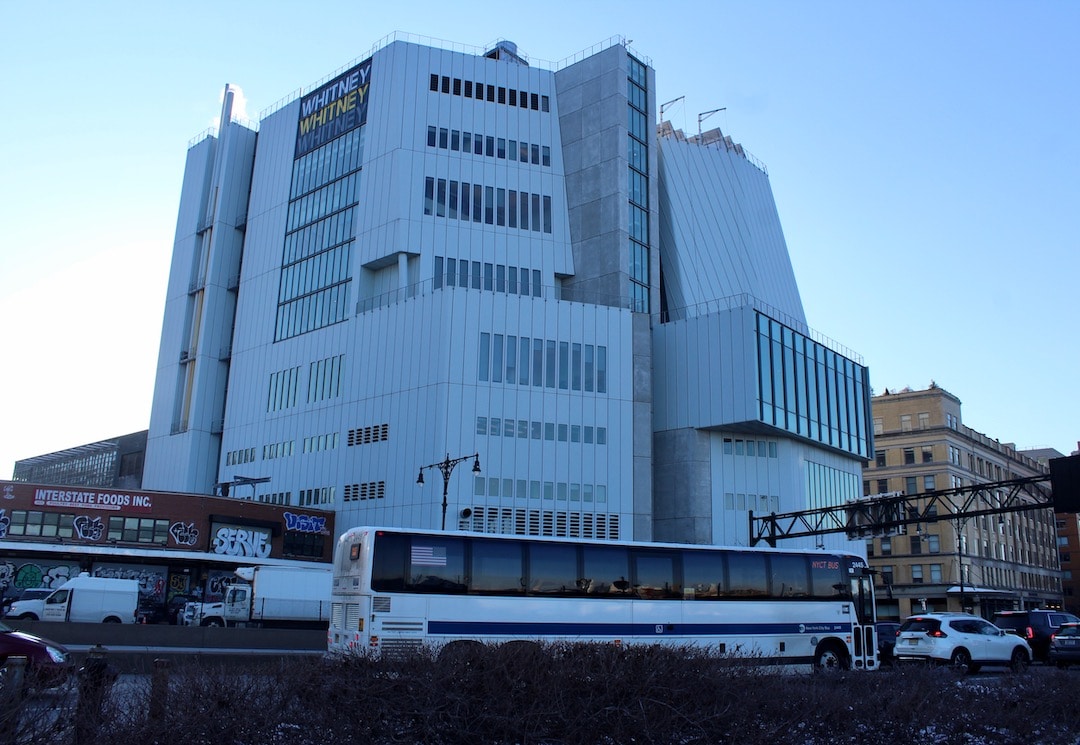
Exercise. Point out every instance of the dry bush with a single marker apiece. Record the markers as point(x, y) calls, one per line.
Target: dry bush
point(581, 694)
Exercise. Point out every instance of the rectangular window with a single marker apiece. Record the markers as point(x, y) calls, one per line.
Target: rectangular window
point(429, 196)
point(511, 149)
point(464, 201)
point(489, 149)
point(501, 149)
point(452, 214)
point(489, 205)
point(549, 360)
point(478, 198)
point(455, 140)
point(536, 212)
point(500, 207)
point(916, 574)
point(523, 201)
point(440, 204)
point(431, 136)
point(523, 361)
point(443, 132)
point(485, 351)
point(497, 359)
point(538, 362)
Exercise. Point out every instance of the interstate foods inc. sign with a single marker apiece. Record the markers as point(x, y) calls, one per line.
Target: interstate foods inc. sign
point(333, 109)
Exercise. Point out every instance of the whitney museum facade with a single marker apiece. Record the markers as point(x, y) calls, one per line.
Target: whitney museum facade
point(438, 254)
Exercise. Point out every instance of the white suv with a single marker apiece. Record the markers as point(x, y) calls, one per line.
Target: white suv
point(960, 639)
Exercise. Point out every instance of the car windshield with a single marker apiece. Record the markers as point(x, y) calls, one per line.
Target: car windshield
point(1069, 630)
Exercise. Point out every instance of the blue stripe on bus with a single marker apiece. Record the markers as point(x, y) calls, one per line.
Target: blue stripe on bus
point(536, 628)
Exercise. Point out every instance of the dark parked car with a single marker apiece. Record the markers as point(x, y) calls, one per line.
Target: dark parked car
point(886, 641)
point(1037, 626)
point(48, 664)
point(1065, 645)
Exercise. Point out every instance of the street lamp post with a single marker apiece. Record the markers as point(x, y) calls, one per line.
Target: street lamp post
point(446, 467)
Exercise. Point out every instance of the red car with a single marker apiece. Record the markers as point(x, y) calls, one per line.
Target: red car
point(48, 664)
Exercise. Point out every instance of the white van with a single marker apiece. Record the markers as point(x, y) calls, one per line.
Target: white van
point(86, 599)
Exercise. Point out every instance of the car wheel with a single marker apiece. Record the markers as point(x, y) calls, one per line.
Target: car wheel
point(27, 617)
point(1019, 661)
point(961, 659)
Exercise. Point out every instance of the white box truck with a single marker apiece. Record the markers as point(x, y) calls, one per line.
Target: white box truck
point(86, 599)
point(271, 596)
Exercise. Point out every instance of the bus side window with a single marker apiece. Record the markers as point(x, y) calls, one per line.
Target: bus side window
point(553, 570)
point(654, 576)
point(436, 564)
point(747, 577)
point(827, 578)
point(496, 568)
point(388, 563)
point(790, 576)
point(703, 575)
point(606, 571)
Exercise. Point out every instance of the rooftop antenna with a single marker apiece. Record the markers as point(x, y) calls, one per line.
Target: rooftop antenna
point(664, 106)
point(705, 115)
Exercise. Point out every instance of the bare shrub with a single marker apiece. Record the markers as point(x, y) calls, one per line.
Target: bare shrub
point(585, 694)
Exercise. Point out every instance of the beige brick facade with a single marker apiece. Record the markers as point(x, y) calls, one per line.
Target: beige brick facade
point(1008, 561)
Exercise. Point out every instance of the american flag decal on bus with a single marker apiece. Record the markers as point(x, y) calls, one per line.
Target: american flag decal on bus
point(429, 556)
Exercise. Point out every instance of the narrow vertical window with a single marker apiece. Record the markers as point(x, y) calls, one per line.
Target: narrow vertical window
point(500, 278)
point(497, 359)
point(442, 137)
point(511, 359)
point(575, 367)
point(489, 205)
point(478, 202)
point(601, 369)
point(501, 151)
point(440, 205)
point(512, 211)
point(524, 281)
point(524, 203)
point(453, 200)
point(523, 362)
point(451, 271)
point(511, 280)
point(590, 372)
point(429, 195)
point(537, 291)
point(500, 207)
point(485, 351)
point(549, 366)
point(464, 201)
point(564, 365)
point(536, 212)
point(438, 278)
point(538, 362)
point(431, 136)
point(435, 82)
point(489, 149)
point(488, 276)
point(466, 142)
point(547, 214)
point(463, 273)
point(511, 150)
point(455, 140)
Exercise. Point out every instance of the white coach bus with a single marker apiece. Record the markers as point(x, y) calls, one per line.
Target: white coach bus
point(396, 589)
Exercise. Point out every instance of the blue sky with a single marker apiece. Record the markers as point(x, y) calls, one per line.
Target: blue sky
point(923, 156)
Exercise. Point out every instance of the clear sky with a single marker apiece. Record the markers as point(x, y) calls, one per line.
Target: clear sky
point(924, 157)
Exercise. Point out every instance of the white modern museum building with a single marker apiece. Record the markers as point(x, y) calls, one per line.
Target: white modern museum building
point(436, 255)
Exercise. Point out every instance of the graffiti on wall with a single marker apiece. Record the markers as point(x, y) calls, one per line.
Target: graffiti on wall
point(5, 521)
point(304, 523)
point(184, 535)
point(15, 577)
point(88, 528)
point(152, 580)
point(241, 542)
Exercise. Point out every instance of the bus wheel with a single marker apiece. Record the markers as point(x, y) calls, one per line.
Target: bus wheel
point(831, 656)
point(461, 651)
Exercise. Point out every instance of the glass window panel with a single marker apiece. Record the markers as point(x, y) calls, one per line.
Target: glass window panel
point(496, 568)
point(553, 568)
point(605, 571)
point(746, 575)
